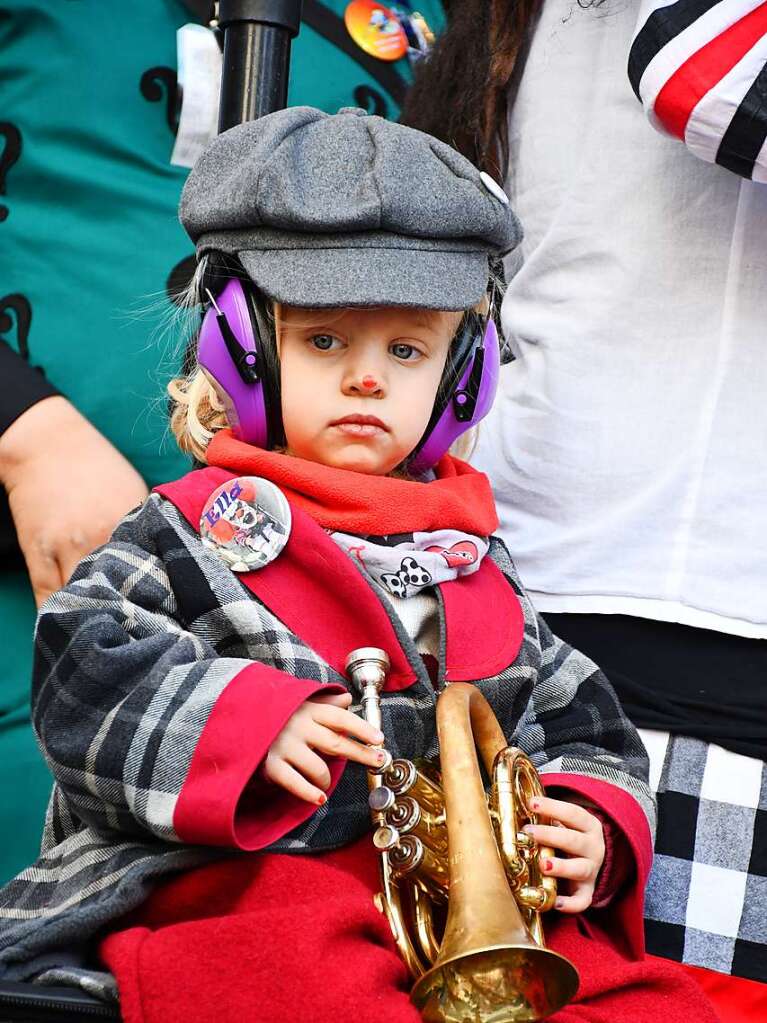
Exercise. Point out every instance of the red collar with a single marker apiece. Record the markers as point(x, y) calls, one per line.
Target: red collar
point(316, 591)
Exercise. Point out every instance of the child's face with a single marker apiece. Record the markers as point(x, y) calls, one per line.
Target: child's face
point(358, 385)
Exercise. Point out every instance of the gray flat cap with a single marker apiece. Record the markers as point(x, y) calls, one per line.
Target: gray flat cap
point(348, 209)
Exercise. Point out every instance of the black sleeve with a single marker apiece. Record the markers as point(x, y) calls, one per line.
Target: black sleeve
point(21, 386)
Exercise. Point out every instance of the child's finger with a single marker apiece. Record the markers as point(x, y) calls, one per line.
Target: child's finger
point(577, 902)
point(570, 814)
point(334, 699)
point(325, 740)
point(577, 869)
point(280, 773)
point(345, 723)
point(565, 839)
point(310, 766)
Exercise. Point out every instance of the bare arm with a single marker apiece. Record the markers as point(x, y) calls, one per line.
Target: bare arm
point(67, 489)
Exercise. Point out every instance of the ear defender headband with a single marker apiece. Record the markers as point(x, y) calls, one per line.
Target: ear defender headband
point(231, 350)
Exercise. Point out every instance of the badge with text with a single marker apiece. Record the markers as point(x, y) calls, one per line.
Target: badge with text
point(246, 522)
point(376, 29)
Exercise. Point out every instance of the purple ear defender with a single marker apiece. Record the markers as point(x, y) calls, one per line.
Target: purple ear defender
point(468, 405)
point(235, 365)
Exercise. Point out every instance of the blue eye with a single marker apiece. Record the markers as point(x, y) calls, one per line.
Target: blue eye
point(324, 342)
point(403, 351)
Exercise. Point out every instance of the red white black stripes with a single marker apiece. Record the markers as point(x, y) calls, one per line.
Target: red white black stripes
point(700, 69)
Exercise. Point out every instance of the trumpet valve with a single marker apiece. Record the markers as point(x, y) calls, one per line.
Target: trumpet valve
point(525, 841)
point(385, 838)
point(401, 775)
point(381, 799)
point(413, 859)
point(538, 897)
point(409, 817)
point(404, 814)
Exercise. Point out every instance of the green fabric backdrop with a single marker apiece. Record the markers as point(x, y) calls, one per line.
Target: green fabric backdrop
point(90, 240)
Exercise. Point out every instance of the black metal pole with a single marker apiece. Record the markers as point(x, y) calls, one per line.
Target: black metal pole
point(257, 37)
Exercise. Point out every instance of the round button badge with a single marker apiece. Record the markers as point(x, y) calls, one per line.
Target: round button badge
point(376, 29)
point(246, 522)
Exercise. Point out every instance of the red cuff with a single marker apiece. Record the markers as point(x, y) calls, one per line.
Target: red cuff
point(621, 920)
point(214, 806)
point(618, 864)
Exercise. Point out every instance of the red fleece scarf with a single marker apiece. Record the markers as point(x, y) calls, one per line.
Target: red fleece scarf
point(459, 498)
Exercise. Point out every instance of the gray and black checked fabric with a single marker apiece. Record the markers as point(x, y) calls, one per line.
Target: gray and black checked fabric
point(130, 659)
point(707, 895)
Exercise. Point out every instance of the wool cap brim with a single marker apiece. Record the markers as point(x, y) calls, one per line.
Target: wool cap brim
point(369, 269)
point(348, 209)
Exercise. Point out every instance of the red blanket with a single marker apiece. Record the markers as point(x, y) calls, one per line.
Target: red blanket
point(281, 939)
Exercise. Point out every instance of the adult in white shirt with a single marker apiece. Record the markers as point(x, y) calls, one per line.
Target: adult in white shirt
point(627, 444)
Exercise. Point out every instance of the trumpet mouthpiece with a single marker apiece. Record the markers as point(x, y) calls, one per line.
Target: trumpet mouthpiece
point(367, 665)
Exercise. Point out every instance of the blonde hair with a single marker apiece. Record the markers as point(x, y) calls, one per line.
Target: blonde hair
point(197, 413)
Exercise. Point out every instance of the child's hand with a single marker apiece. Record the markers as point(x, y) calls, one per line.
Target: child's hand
point(322, 723)
point(577, 833)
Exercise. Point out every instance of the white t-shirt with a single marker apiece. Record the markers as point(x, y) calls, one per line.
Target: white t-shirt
point(628, 443)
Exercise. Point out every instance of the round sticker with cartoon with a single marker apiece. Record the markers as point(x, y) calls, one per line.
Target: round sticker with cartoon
point(376, 29)
point(246, 521)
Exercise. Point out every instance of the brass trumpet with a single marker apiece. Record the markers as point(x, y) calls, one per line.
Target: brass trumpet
point(477, 956)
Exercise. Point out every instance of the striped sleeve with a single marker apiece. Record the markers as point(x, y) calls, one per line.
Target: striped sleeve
point(699, 68)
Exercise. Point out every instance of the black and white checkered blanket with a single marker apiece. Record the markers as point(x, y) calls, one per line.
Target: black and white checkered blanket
point(707, 895)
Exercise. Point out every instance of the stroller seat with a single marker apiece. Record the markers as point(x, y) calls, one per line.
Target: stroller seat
point(35, 1003)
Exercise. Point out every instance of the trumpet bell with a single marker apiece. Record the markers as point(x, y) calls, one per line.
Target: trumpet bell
point(516, 983)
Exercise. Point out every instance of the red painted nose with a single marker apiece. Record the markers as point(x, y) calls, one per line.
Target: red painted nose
point(369, 383)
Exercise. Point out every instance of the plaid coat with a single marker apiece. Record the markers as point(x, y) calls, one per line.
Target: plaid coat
point(161, 679)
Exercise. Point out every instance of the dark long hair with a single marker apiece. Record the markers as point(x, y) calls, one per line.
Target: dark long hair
point(461, 90)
